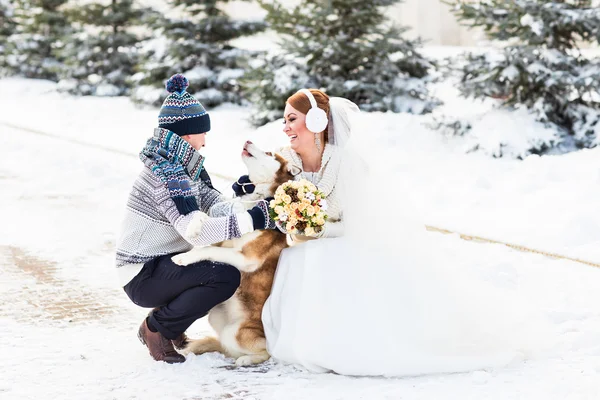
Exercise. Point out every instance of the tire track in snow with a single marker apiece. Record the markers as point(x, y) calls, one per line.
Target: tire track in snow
point(36, 291)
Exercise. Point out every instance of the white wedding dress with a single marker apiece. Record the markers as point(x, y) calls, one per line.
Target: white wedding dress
point(387, 297)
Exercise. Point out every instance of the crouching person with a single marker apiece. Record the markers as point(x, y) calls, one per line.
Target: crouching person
point(172, 192)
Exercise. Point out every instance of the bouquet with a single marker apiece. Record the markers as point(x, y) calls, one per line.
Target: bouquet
point(299, 207)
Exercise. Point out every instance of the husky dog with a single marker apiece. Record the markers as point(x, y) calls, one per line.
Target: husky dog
point(237, 321)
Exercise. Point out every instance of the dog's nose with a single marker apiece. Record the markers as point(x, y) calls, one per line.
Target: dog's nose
point(248, 142)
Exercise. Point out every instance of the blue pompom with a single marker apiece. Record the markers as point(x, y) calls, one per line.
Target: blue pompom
point(177, 83)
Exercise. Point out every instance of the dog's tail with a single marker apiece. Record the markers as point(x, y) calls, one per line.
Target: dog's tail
point(205, 345)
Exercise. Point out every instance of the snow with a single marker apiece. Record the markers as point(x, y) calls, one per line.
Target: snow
point(500, 131)
point(66, 170)
point(285, 78)
point(94, 79)
point(230, 74)
point(147, 94)
point(536, 25)
point(107, 89)
point(409, 104)
point(199, 73)
point(494, 131)
point(349, 85)
point(264, 41)
point(210, 96)
point(66, 85)
point(511, 73)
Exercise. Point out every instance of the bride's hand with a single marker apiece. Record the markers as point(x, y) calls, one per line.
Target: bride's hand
point(281, 227)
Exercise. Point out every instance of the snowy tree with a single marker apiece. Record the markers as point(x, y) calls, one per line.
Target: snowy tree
point(540, 66)
point(272, 79)
point(197, 44)
point(347, 48)
point(102, 56)
point(41, 27)
point(7, 26)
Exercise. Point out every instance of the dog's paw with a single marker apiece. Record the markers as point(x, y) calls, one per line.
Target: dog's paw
point(251, 359)
point(244, 361)
point(181, 259)
point(195, 226)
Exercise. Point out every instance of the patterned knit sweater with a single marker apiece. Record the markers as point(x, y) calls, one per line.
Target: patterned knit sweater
point(153, 226)
point(325, 180)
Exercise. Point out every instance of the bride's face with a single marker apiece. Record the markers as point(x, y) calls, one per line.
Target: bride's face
point(301, 139)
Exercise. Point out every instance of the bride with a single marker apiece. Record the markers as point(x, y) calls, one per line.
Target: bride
point(376, 294)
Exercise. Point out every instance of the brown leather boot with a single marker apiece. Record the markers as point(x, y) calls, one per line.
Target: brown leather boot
point(161, 348)
point(180, 342)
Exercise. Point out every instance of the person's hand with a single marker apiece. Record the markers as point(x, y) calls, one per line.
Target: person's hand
point(243, 186)
point(281, 227)
point(261, 218)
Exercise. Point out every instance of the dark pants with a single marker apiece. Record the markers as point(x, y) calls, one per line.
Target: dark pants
point(183, 294)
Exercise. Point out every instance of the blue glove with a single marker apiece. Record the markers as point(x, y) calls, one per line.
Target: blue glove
point(261, 218)
point(243, 186)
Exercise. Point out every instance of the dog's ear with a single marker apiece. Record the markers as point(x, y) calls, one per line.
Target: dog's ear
point(293, 169)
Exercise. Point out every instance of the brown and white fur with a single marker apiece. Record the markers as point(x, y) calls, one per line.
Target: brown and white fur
point(237, 321)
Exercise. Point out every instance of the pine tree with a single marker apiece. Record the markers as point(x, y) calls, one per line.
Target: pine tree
point(540, 66)
point(7, 26)
point(102, 57)
point(41, 27)
point(270, 81)
point(347, 48)
point(198, 46)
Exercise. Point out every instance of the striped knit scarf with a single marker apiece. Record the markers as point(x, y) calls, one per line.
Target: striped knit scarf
point(175, 162)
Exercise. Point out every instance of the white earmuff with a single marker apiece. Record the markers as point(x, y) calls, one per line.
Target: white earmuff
point(316, 118)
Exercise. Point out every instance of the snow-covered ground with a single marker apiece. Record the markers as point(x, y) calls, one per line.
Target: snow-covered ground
point(68, 332)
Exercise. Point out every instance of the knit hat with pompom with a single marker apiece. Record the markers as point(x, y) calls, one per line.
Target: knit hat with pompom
point(181, 113)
